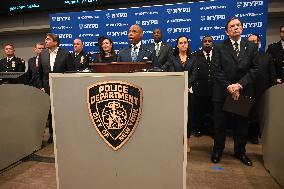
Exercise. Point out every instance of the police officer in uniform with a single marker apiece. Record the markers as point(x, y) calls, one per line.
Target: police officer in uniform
point(202, 87)
point(11, 63)
point(80, 58)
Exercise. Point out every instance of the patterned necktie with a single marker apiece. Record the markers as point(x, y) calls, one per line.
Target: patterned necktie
point(157, 49)
point(134, 53)
point(236, 48)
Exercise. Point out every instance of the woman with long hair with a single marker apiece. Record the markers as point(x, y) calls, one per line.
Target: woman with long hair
point(106, 51)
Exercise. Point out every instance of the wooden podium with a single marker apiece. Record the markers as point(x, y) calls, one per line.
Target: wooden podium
point(119, 67)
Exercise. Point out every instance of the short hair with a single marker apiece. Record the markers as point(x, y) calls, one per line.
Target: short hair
point(257, 37)
point(8, 44)
point(80, 40)
point(281, 27)
point(39, 43)
point(233, 18)
point(207, 36)
point(54, 37)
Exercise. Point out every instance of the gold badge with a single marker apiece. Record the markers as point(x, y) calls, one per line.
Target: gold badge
point(115, 108)
point(13, 64)
point(82, 60)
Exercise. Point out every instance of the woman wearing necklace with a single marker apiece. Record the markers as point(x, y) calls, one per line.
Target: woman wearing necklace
point(106, 54)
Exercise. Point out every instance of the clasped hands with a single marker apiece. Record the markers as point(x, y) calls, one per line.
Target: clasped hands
point(234, 89)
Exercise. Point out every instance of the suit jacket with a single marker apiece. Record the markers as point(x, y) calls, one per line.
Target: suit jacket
point(33, 72)
point(144, 54)
point(82, 60)
point(163, 56)
point(229, 69)
point(277, 52)
point(174, 65)
point(14, 65)
point(266, 74)
point(63, 62)
point(201, 75)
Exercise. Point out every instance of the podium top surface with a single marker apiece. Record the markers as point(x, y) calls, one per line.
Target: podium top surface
point(10, 75)
point(146, 74)
point(119, 63)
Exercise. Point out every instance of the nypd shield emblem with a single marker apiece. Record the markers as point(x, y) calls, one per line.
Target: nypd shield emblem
point(115, 108)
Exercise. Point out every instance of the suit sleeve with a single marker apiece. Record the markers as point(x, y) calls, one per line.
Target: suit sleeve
point(277, 65)
point(251, 73)
point(21, 66)
point(218, 72)
point(70, 63)
point(40, 72)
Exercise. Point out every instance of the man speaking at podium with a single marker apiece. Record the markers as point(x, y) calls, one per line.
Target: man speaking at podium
point(136, 52)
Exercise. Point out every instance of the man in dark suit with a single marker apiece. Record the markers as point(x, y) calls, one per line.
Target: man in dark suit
point(53, 59)
point(33, 66)
point(11, 63)
point(277, 52)
point(265, 78)
point(80, 58)
point(136, 52)
point(202, 87)
point(161, 51)
point(234, 69)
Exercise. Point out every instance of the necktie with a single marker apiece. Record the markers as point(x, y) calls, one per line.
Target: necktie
point(236, 48)
point(208, 58)
point(134, 53)
point(37, 62)
point(157, 49)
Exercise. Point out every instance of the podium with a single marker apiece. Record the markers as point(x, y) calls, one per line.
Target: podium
point(154, 157)
point(119, 67)
point(273, 132)
point(24, 111)
point(13, 77)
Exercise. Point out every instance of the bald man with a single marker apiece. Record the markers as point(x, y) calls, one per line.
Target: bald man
point(80, 58)
point(136, 51)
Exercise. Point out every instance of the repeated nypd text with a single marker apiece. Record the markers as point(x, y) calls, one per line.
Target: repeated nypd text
point(116, 15)
point(215, 37)
point(245, 4)
point(213, 17)
point(178, 30)
point(117, 33)
point(65, 35)
point(252, 24)
point(60, 18)
point(88, 26)
point(178, 10)
point(147, 22)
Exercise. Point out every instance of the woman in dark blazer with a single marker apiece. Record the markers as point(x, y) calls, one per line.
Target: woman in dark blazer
point(180, 61)
point(106, 52)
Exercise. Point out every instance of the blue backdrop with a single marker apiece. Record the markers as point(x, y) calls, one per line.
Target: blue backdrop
point(192, 19)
